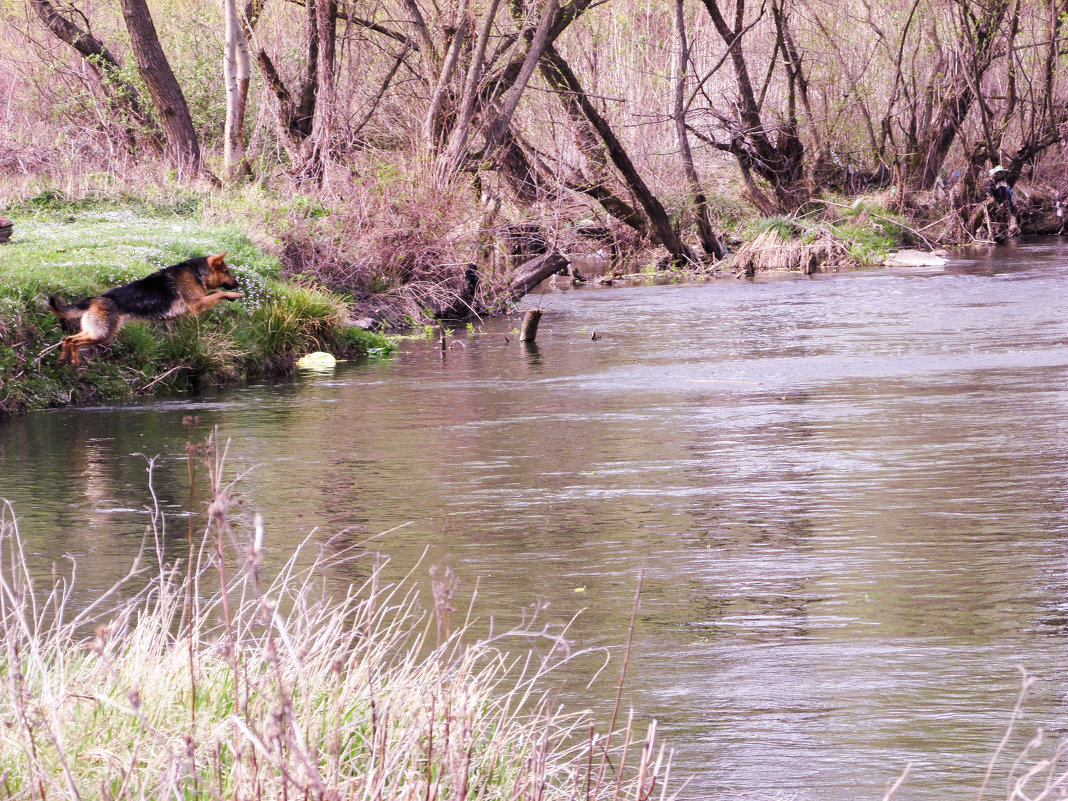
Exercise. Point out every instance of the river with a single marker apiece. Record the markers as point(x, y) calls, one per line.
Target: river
point(847, 493)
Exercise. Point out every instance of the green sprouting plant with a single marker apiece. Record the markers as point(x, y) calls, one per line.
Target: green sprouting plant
point(784, 227)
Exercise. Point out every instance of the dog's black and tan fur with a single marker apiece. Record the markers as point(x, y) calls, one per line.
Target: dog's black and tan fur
point(190, 287)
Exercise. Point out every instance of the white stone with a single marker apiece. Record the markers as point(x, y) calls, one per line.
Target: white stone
point(913, 258)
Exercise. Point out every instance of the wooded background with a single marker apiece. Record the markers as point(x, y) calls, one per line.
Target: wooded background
point(437, 122)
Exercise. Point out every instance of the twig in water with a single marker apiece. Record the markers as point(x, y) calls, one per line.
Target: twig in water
point(1028, 680)
point(900, 780)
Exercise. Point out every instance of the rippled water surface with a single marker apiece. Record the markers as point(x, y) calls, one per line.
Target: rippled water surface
point(847, 494)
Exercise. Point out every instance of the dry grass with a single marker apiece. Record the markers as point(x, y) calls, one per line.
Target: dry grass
point(1036, 772)
point(279, 689)
point(770, 251)
point(399, 247)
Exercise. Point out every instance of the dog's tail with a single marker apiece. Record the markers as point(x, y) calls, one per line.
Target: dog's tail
point(65, 310)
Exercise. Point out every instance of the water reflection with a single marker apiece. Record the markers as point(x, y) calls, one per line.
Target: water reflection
point(847, 494)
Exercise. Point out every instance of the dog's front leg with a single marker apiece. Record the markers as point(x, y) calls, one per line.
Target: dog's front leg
point(209, 300)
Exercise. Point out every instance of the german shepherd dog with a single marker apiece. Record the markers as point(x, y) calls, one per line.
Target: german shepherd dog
point(176, 291)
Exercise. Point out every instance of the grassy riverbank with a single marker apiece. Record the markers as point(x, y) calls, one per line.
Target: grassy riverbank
point(274, 689)
point(78, 249)
point(405, 266)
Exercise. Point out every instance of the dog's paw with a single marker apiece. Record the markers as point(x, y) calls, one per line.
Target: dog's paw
point(233, 295)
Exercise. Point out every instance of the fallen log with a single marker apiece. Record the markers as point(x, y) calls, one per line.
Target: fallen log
point(533, 271)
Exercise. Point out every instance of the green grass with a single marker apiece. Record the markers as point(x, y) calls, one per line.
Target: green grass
point(80, 249)
point(871, 231)
point(785, 227)
point(868, 229)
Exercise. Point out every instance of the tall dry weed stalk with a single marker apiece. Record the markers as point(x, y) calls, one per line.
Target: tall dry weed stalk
point(279, 687)
point(1030, 776)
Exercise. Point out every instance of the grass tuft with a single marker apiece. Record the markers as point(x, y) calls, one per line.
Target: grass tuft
point(783, 227)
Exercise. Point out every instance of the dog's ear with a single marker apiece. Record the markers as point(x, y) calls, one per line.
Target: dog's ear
point(217, 261)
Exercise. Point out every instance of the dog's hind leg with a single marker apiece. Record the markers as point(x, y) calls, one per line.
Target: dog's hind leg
point(65, 352)
point(74, 343)
point(100, 323)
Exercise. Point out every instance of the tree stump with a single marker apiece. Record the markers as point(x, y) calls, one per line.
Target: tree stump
point(6, 227)
point(529, 331)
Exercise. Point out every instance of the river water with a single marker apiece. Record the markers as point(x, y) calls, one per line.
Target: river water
point(847, 494)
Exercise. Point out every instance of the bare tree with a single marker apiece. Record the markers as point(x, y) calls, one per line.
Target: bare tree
point(779, 161)
point(709, 241)
point(295, 109)
point(121, 96)
point(562, 78)
point(182, 145)
point(317, 147)
point(974, 52)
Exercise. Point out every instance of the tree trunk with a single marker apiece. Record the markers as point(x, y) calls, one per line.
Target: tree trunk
point(951, 115)
point(780, 162)
point(978, 44)
point(563, 79)
point(539, 43)
point(426, 42)
point(317, 146)
point(456, 149)
point(182, 146)
point(120, 93)
point(531, 273)
point(433, 124)
point(529, 330)
point(709, 241)
point(236, 73)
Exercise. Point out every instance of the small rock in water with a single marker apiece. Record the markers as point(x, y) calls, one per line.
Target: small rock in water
point(913, 258)
point(319, 360)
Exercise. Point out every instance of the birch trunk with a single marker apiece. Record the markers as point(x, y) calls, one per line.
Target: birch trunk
point(236, 72)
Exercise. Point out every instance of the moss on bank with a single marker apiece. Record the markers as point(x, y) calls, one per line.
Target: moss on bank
point(80, 249)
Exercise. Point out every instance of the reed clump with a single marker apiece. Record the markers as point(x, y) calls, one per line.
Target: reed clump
point(771, 251)
point(279, 689)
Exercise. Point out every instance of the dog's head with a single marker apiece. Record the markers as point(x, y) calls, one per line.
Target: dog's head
point(219, 274)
